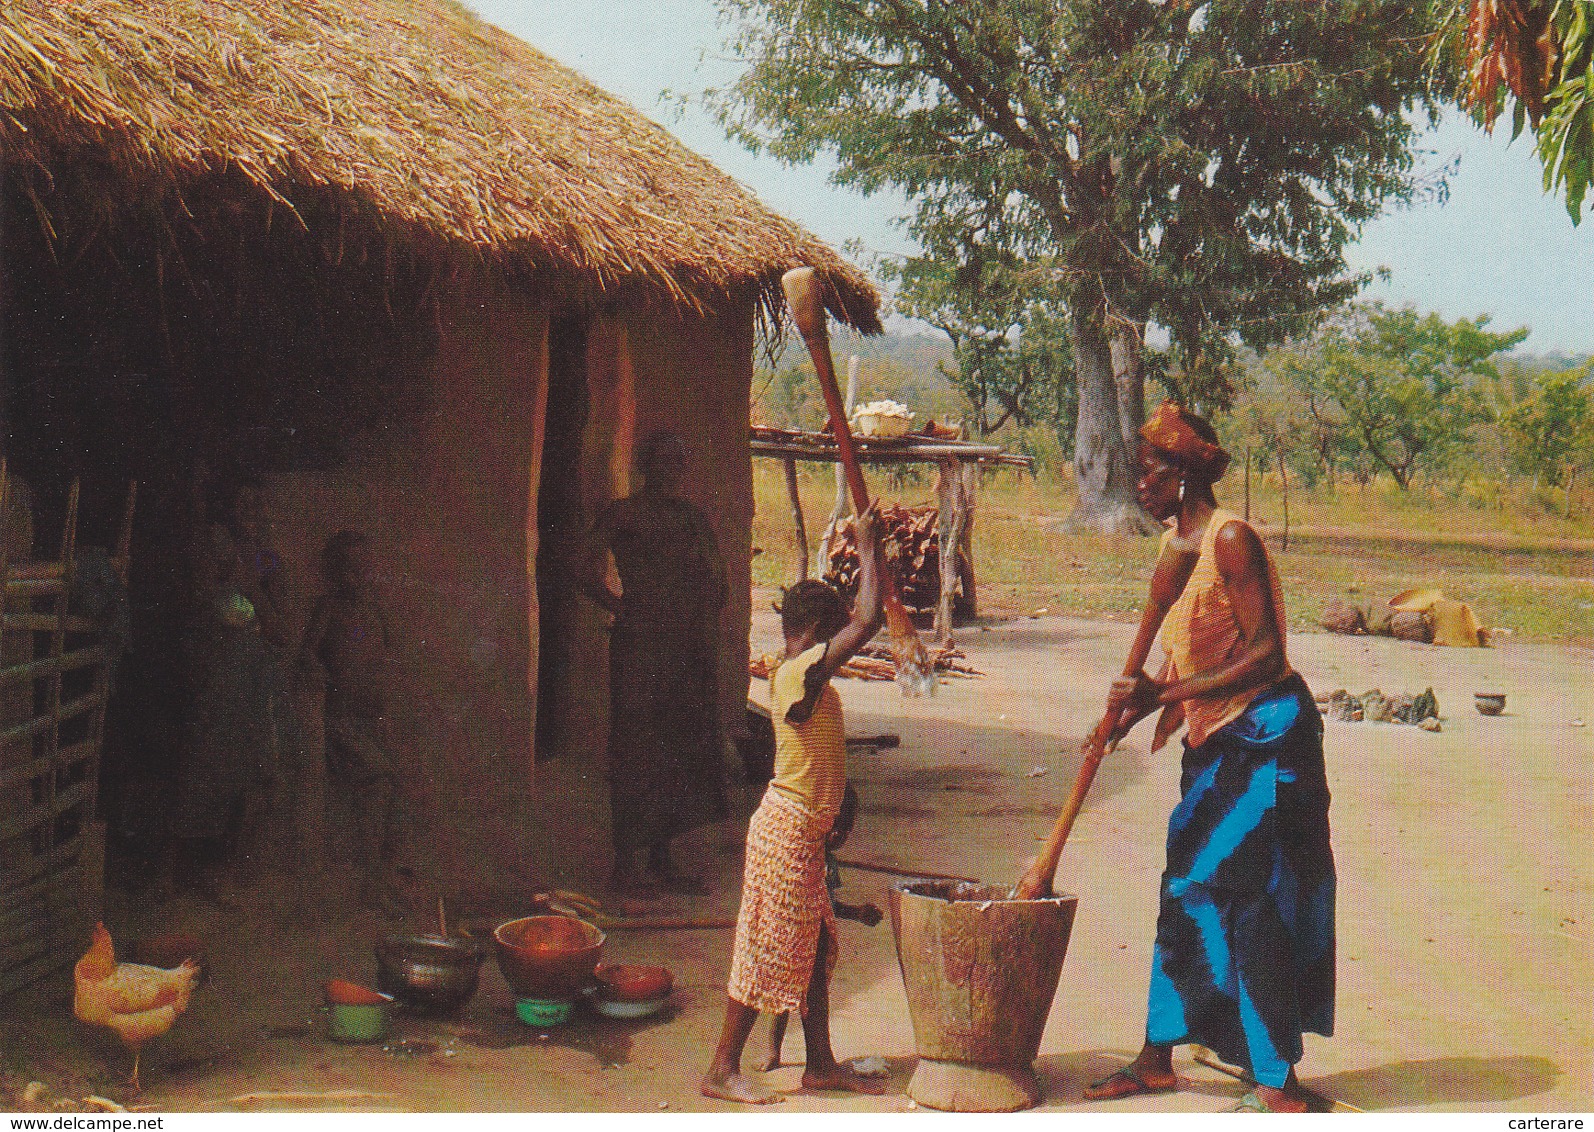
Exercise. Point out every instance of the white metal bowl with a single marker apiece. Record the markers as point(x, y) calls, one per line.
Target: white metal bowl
point(614, 1008)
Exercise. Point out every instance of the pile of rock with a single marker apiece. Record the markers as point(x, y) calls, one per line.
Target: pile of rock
point(1373, 706)
point(1423, 614)
point(1379, 620)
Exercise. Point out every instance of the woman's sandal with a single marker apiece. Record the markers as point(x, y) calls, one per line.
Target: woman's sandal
point(1251, 1103)
point(1131, 1084)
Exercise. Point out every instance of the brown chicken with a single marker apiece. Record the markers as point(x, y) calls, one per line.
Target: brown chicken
point(134, 1001)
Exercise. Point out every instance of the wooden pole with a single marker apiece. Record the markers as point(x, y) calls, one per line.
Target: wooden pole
point(970, 472)
point(946, 524)
point(800, 530)
point(1097, 747)
point(1284, 482)
point(839, 508)
point(804, 297)
point(955, 510)
point(1247, 483)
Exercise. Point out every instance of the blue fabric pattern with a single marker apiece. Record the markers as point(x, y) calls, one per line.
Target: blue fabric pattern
point(1268, 718)
point(1244, 959)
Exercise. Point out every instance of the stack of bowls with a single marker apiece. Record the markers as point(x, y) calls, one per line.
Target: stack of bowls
point(631, 990)
point(355, 1014)
point(546, 960)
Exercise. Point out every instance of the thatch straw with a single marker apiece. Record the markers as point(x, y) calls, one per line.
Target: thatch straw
point(442, 131)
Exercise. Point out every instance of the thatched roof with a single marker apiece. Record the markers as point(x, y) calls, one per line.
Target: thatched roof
point(417, 116)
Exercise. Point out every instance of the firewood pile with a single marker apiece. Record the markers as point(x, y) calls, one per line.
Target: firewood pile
point(912, 548)
point(874, 662)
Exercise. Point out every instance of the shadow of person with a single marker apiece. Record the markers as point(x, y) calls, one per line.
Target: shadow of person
point(1441, 1080)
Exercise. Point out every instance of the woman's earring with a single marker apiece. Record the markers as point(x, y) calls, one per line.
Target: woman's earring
point(1181, 491)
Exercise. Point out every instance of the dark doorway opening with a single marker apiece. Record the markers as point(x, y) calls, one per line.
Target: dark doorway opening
point(562, 525)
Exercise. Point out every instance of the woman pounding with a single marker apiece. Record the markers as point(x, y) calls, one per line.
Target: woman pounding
point(1244, 955)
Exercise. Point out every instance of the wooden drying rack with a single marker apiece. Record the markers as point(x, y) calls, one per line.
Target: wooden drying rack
point(956, 492)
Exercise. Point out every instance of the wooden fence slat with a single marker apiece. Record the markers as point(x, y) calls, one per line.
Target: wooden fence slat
point(66, 759)
point(69, 711)
point(45, 623)
point(43, 900)
point(16, 588)
point(40, 868)
point(62, 947)
point(17, 922)
point(53, 665)
point(23, 892)
point(46, 812)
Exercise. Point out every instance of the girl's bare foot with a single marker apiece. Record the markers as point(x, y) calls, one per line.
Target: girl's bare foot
point(735, 1087)
point(771, 1061)
point(842, 1079)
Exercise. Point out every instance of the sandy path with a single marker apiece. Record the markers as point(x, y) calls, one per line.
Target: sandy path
point(1464, 916)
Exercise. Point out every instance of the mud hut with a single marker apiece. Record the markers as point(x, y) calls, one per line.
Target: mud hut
point(417, 279)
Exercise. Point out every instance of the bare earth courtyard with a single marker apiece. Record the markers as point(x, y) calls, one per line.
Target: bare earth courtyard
point(1463, 923)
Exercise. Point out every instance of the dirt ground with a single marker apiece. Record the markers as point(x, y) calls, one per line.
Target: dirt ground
point(1463, 924)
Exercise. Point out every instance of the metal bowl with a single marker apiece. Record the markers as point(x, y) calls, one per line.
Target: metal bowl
point(429, 971)
point(1489, 703)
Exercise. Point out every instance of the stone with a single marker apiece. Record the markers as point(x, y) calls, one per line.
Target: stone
point(1344, 707)
point(1412, 625)
point(1342, 617)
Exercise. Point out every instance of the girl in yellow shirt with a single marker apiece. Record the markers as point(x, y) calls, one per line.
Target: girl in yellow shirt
point(786, 931)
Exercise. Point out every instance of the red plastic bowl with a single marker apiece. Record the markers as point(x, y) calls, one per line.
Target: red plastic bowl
point(624, 982)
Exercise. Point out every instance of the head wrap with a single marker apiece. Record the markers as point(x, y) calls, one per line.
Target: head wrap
point(1181, 434)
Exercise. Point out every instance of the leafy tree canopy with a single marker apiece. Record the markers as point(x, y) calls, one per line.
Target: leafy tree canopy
point(1197, 165)
point(1402, 388)
point(1007, 326)
point(1551, 431)
point(1537, 57)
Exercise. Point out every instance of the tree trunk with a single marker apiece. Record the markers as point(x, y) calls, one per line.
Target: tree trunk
point(1247, 484)
point(1284, 485)
point(1129, 379)
point(1104, 465)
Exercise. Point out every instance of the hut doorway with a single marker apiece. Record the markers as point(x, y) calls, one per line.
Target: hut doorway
point(566, 705)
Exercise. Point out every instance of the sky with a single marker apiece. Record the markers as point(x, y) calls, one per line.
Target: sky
point(1498, 246)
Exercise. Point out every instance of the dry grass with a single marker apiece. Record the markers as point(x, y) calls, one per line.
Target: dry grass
point(1527, 578)
point(425, 125)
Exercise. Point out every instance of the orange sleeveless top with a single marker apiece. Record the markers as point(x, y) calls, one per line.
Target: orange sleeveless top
point(1201, 633)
